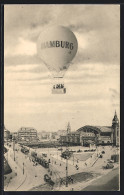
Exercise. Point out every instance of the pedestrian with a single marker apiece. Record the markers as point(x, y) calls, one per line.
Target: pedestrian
point(72, 180)
point(61, 181)
point(85, 163)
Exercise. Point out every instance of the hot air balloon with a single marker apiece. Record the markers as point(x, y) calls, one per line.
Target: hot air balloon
point(57, 46)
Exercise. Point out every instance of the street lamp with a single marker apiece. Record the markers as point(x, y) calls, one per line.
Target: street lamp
point(35, 172)
point(23, 168)
point(61, 149)
point(67, 165)
point(73, 159)
point(67, 151)
point(66, 171)
point(14, 148)
point(7, 155)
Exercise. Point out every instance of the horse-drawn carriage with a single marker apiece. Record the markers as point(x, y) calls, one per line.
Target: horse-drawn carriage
point(48, 179)
point(67, 154)
point(108, 166)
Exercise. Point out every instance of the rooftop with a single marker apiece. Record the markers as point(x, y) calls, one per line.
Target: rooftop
point(96, 128)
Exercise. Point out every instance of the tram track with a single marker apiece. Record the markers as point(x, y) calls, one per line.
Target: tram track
point(22, 183)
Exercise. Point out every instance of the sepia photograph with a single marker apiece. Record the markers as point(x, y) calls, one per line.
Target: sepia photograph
point(61, 97)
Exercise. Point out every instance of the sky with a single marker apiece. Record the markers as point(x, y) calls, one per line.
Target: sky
point(92, 80)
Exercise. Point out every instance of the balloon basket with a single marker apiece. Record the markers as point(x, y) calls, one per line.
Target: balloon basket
point(58, 89)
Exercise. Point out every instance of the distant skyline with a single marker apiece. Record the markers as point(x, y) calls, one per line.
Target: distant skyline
point(92, 80)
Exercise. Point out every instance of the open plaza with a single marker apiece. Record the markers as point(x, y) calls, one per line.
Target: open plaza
point(73, 162)
point(28, 175)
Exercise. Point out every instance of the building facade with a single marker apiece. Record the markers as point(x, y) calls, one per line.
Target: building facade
point(44, 135)
point(72, 138)
point(27, 134)
point(14, 136)
point(6, 134)
point(94, 134)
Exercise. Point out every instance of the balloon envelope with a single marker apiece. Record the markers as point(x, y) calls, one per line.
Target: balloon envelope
point(57, 46)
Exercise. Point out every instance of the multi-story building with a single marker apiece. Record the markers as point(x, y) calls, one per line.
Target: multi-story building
point(14, 135)
point(72, 138)
point(54, 136)
point(27, 134)
point(94, 134)
point(44, 135)
point(6, 134)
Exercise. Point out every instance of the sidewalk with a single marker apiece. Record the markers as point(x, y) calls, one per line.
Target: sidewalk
point(33, 175)
point(19, 178)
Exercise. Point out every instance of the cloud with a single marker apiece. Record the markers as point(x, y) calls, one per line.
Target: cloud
point(26, 15)
point(21, 59)
point(92, 80)
point(96, 27)
point(115, 97)
point(20, 74)
point(24, 47)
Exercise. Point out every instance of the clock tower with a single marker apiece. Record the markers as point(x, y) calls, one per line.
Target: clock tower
point(68, 128)
point(115, 130)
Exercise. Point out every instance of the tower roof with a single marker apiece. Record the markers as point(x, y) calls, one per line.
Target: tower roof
point(97, 129)
point(115, 116)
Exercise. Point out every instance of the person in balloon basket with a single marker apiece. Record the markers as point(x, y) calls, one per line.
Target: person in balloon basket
point(62, 85)
point(58, 86)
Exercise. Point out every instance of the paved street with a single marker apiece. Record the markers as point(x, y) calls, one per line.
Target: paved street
point(31, 177)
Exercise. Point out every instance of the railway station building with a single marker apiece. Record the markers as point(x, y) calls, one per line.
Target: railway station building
point(104, 135)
